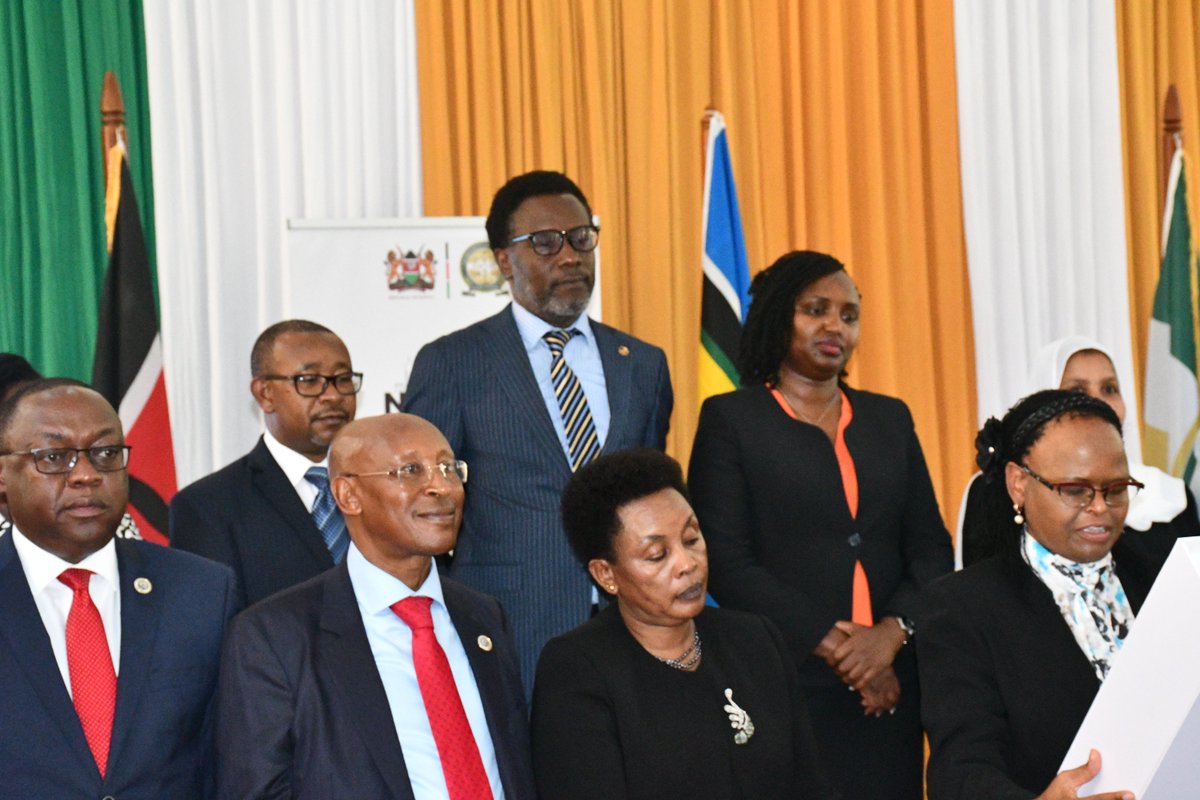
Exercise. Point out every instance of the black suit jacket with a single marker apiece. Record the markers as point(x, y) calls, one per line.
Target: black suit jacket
point(610, 722)
point(302, 712)
point(161, 744)
point(249, 517)
point(1004, 686)
point(768, 493)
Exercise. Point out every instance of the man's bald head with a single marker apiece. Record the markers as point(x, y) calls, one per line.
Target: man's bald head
point(396, 481)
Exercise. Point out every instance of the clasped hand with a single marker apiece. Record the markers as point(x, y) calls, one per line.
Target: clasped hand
point(862, 657)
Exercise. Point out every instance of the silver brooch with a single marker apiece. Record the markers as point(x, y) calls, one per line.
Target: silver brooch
point(739, 720)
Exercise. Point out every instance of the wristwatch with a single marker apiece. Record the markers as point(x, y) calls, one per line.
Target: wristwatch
point(906, 625)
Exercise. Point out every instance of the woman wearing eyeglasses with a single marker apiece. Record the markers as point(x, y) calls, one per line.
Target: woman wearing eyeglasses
point(1158, 515)
point(1014, 648)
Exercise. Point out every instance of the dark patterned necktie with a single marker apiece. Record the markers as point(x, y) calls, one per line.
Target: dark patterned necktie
point(326, 515)
point(462, 765)
point(582, 439)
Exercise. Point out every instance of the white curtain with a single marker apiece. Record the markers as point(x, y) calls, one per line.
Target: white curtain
point(1043, 198)
point(262, 112)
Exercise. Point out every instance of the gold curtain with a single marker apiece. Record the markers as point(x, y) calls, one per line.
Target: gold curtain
point(1158, 44)
point(844, 136)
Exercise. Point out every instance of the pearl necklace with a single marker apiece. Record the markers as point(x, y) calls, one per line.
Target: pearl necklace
point(688, 658)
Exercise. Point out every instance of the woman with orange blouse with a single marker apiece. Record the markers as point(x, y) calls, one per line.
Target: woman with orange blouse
point(820, 514)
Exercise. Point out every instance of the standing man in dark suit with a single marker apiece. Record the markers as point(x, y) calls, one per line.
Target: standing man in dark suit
point(109, 648)
point(378, 678)
point(528, 396)
point(270, 515)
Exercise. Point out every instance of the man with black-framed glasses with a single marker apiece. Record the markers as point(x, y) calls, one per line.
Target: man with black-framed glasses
point(97, 633)
point(270, 515)
point(528, 396)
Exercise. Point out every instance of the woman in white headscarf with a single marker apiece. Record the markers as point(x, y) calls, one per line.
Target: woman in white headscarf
point(1162, 512)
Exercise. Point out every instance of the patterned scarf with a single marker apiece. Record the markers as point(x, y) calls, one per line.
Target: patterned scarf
point(1089, 597)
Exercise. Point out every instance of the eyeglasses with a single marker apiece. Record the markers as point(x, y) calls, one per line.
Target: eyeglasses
point(312, 385)
point(547, 243)
point(58, 460)
point(1081, 494)
point(416, 474)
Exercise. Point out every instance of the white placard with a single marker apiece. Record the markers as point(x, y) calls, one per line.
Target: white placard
point(1145, 721)
point(387, 287)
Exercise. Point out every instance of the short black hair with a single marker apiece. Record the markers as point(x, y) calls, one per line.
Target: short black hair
point(261, 352)
point(1011, 439)
point(595, 494)
point(519, 189)
point(8, 409)
point(15, 370)
point(767, 334)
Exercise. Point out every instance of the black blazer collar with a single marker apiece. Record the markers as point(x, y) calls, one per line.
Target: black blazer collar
point(503, 705)
point(506, 351)
point(353, 671)
point(270, 481)
point(21, 630)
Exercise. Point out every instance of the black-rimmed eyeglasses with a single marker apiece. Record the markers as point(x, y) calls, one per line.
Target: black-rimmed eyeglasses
point(58, 460)
point(310, 384)
point(548, 242)
point(1081, 494)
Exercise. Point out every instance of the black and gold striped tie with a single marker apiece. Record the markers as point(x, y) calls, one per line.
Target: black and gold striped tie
point(582, 440)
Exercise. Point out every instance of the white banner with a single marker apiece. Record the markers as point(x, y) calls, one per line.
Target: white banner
point(387, 287)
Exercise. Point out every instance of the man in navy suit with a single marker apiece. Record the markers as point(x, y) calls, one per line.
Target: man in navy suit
point(378, 678)
point(109, 648)
point(514, 395)
point(270, 515)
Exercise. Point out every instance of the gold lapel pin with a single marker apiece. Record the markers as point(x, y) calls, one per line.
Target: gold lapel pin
point(622, 350)
point(485, 643)
point(142, 585)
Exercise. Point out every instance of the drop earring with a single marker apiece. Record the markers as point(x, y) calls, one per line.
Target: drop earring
point(1018, 516)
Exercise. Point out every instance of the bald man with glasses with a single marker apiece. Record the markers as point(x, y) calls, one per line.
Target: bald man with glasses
point(270, 515)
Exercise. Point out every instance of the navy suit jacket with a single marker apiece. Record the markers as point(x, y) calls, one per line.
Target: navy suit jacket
point(302, 712)
point(170, 648)
point(249, 517)
point(477, 387)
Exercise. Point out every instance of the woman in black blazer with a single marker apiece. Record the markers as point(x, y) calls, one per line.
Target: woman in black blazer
point(657, 696)
point(1013, 649)
point(820, 514)
point(1161, 513)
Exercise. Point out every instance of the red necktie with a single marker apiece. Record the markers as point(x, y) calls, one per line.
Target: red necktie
point(461, 763)
point(89, 662)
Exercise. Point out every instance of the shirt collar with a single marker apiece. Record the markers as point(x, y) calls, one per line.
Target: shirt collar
point(532, 328)
point(293, 464)
point(42, 567)
point(1044, 561)
point(376, 590)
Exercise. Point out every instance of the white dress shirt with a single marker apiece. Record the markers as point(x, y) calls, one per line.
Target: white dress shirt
point(294, 466)
point(53, 597)
point(391, 645)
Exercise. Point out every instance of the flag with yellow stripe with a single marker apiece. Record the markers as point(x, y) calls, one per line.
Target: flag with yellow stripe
point(726, 273)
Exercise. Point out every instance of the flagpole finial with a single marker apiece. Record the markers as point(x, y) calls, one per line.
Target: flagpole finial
point(1172, 139)
point(112, 117)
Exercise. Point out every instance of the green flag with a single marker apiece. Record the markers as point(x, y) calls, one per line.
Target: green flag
point(1172, 402)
